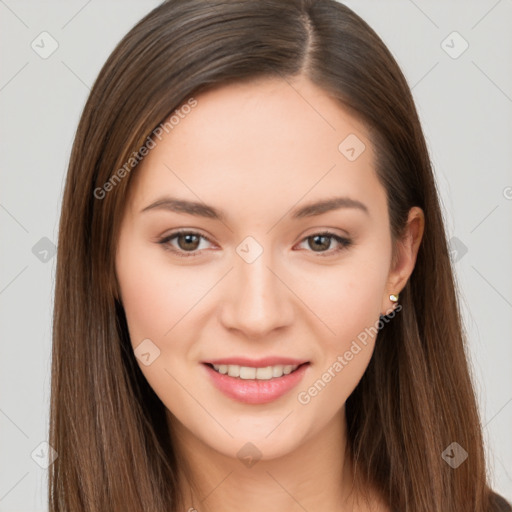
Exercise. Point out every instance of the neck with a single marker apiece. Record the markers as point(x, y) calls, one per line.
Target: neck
point(317, 475)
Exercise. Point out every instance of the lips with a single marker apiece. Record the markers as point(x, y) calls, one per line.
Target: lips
point(254, 390)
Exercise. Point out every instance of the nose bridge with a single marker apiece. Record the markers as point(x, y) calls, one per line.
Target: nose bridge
point(256, 302)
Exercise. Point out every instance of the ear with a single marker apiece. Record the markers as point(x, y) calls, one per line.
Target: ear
point(406, 251)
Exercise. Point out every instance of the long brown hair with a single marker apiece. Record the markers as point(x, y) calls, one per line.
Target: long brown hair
point(416, 396)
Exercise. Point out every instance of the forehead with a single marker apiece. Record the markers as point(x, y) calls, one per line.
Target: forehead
point(257, 141)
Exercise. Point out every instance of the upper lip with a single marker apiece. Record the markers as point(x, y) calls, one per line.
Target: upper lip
point(257, 363)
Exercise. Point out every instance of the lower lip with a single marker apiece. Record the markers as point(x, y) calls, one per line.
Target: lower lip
point(253, 391)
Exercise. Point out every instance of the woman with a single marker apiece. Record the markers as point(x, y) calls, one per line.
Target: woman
point(254, 303)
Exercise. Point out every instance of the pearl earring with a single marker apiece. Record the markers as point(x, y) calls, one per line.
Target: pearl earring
point(393, 297)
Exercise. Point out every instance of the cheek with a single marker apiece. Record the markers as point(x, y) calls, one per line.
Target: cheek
point(347, 299)
point(155, 295)
point(157, 298)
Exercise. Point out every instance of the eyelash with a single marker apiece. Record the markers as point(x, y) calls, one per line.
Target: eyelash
point(344, 243)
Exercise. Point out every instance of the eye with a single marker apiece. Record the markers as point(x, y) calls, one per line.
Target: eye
point(321, 243)
point(187, 241)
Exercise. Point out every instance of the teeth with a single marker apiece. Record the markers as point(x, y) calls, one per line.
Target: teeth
point(247, 372)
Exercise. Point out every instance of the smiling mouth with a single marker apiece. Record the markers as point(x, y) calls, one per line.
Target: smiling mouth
point(252, 373)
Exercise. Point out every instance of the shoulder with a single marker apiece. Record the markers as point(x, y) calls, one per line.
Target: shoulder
point(498, 503)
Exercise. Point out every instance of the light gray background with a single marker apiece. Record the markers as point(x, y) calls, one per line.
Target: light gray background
point(465, 104)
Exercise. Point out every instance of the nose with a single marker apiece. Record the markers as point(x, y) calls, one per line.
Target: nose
point(256, 301)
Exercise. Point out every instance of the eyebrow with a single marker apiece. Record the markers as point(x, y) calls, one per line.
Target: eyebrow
point(203, 210)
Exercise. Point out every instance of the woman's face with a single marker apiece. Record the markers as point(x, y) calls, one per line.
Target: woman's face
point(254, 175)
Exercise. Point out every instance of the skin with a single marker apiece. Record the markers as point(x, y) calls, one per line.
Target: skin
point(257, 151)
